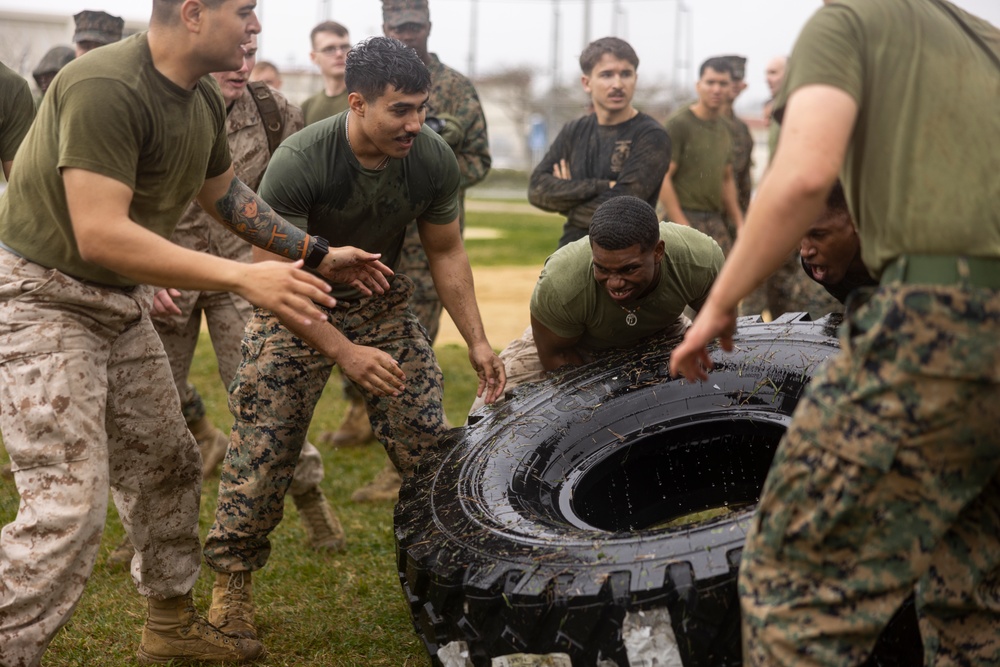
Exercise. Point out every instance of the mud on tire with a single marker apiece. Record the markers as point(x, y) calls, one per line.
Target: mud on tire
point(541, 524)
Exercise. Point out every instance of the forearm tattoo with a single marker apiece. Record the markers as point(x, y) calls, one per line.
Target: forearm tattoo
point(249, 217)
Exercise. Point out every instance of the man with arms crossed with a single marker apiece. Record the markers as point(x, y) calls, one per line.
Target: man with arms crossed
point(364, 175)
point(699, 189)
point(615, 151)
point(630, 280)
point(124, 140)
point(887, 482)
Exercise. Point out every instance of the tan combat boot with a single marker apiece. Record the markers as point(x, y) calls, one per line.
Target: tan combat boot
point(213, 444)
point(121, 557)
point(355, 431)
point(322, 526)
point(385, 486)
point(232, 604)
point(175, 633)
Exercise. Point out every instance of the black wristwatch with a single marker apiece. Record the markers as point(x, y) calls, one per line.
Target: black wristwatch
point(319, 251)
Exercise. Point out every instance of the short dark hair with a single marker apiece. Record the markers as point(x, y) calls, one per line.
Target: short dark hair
point(837, 200)
point(619, 48)
point(328, 26)
point(378, 62)
point(622, 222)
point(719, 64)
point(165, 11)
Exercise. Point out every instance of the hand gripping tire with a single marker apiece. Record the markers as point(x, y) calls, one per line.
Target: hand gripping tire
point(540, 525)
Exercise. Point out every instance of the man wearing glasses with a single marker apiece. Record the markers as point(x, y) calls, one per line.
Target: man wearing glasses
point(330, 44)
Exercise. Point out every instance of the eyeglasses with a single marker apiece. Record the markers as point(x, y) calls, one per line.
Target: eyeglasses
point(335, 48)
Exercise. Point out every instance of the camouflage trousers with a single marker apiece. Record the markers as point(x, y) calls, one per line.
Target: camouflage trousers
point(226, 315)
point(86, 405)
point(714, 224)
point(887, 483)
point(273, 398)
point(425, 303)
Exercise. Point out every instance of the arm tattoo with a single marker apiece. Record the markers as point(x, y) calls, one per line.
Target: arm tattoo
point(249, 217)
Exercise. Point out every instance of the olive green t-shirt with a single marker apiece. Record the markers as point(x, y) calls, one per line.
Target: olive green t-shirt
point(321, 106)
point(114, 114)
point(569, 301)
point(17, 110)
point(315, 182)
point(922, 170)
point(702, 150)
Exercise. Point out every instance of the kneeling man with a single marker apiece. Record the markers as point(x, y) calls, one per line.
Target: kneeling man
point(631, 279)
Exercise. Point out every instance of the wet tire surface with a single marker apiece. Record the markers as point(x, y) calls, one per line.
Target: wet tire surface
point(547, 519)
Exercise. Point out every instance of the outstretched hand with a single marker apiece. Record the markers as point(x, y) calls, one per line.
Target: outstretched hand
point(286, 290)
point(489, 368)
point(357, 268)
point(690, 358)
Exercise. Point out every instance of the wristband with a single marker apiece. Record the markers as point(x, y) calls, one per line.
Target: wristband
point(320, 248)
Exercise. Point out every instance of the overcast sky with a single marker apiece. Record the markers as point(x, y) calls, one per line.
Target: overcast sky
point(520, 32)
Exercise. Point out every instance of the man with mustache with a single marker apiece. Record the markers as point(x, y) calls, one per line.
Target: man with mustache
point(125, 138)
point(699, 189)
point(361, 175)
point(617, 150)
point(455, 113)
point(628, 282)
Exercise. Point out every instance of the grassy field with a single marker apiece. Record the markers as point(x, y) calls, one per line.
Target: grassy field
point(313, 610)
point(524, 239)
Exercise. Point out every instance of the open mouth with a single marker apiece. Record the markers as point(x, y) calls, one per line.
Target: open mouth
point(818, 272)
point(621, 295)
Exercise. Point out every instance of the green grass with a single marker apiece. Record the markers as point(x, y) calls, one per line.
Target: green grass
point(313, 610)
point(316, 610)
point(526, 239)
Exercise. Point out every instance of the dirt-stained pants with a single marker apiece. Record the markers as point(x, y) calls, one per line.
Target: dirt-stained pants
point(273, 397)
point(425, 302)
point(226, 315)
point(86, 404)
point(887, 483)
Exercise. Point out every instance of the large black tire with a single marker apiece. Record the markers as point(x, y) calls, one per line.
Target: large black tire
point(540, 525)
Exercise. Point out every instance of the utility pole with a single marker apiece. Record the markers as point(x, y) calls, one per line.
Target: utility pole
point(586, 23)
point(473, 39)
point(616, 13)
point(325, 7)
point(680, 65)
point(555, 44)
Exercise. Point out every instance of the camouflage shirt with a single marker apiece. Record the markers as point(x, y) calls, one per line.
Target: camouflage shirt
point(454, 95)
point(199, 231)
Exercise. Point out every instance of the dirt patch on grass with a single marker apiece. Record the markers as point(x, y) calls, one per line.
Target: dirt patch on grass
point(503, 293)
